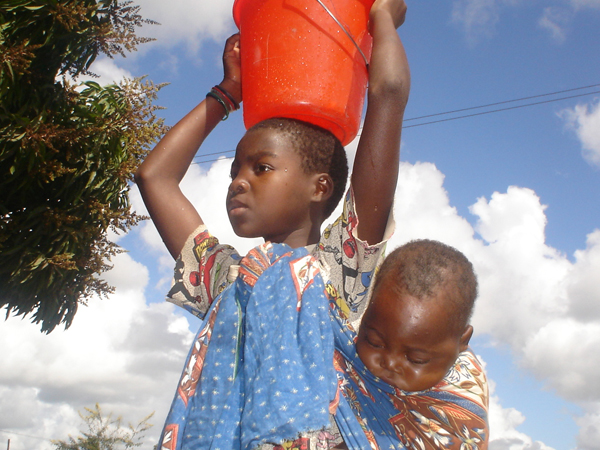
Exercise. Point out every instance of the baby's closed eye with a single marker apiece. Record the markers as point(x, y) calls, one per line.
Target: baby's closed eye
point(418, 359)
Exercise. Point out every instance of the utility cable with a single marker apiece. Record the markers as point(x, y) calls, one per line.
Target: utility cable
point(25, 435)
point(223, 153)
point(506, 101)
point(496, 110)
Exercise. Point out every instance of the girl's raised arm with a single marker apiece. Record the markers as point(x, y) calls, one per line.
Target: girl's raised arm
point(375, 171)
point(159, 176)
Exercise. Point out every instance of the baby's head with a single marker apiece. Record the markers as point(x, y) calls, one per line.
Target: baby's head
point(285, 171)
point(417, 321)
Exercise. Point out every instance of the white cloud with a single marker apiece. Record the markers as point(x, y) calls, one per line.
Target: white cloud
point(549, 348)
point(477, 17)
point(522, 281)
point(421, 204)
point(574, 336)
point(583, 283)
point(119, 352)
point(189, 22)
point(584, 119)
point(554, 20)
point(585, 3)
point(108, 71)
point(516, 269)
point(503, 424)
point(589, 430)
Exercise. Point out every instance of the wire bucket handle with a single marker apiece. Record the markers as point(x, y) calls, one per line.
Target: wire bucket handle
point(345, 30)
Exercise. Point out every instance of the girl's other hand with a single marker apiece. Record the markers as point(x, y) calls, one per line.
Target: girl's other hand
point(232, 78)
point(395, 8)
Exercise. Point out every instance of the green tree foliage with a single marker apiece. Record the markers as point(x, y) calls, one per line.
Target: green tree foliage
point(105, 433)
point(66, 155)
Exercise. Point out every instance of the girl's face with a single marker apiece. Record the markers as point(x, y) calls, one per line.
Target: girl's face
point(270, 195)
point(407, 342)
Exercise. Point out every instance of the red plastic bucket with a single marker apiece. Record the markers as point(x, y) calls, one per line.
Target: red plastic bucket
point(301, 59)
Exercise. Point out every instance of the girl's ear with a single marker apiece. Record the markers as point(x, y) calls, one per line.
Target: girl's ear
point(323, 187)
point(465, 338)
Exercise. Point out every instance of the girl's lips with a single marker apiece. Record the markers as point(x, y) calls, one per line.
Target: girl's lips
point(236, 206)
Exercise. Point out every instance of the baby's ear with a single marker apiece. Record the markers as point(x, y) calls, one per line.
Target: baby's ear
point(323, 187)
point(465, 338)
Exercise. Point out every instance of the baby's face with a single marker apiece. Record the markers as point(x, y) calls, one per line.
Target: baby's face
point(407, 342)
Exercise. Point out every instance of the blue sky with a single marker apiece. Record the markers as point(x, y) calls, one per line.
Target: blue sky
point(516, 190)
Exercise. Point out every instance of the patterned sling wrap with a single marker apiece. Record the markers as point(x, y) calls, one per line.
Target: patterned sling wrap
point(374, 415)
point(263, 368)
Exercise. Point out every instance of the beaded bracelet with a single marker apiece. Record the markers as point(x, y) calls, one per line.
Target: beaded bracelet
point(230, 105)
point(234, 105)
point(218, 98)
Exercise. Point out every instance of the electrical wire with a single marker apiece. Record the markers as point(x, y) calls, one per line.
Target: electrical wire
point(507, 101)
point(25, 435)
point(223, 153)
point(497, 110)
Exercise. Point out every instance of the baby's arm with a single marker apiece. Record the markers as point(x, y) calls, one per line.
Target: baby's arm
point(375, 171)
point(163, 169)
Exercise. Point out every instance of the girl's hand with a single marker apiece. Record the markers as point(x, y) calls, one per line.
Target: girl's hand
point(232, 79)
point(395, 8)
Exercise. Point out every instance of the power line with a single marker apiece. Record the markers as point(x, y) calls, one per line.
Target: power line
point(496, 110)
point(463, 110)
point(25, 435)
point(223, 153)
point(216, 153)
point(508, 101)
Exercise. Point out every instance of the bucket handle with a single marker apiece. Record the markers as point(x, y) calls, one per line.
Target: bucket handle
point(345, 31)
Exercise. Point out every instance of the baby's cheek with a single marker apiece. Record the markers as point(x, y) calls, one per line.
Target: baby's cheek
point(427, 378)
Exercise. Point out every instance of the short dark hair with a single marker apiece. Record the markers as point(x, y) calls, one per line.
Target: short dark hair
point(319, 149)
point(422, 267)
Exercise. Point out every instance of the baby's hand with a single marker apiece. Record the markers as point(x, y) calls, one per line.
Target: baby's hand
point(232, 79)
point(396, 9)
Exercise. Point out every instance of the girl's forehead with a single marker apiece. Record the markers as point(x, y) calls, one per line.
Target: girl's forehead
point(266, 133)
point(264, 140)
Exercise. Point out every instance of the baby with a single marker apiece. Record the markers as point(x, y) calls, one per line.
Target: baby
point(423, 384)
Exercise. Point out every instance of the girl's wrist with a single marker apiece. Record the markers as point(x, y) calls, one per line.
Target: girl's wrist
point(231, 88)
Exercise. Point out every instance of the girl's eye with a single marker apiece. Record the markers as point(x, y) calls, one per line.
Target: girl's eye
point(261, 168)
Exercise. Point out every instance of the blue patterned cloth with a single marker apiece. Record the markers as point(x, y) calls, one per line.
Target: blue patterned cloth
point(267, 375)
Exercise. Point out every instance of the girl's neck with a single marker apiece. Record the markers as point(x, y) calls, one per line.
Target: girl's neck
point(298, 238)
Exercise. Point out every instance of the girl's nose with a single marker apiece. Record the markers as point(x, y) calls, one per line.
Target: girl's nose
point(238, 185)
